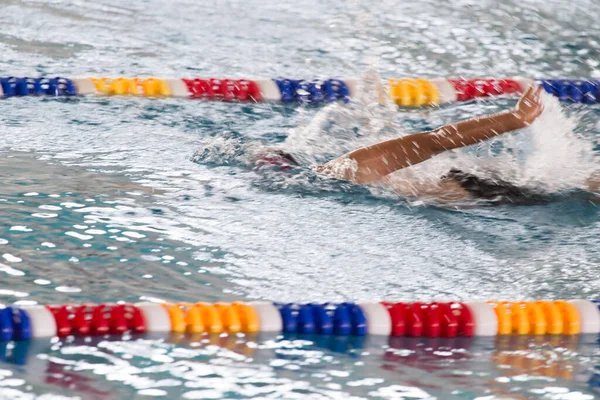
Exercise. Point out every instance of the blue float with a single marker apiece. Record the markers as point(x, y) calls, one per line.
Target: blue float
point(288, 89)
point(26, 86)
point(288, 318)
point(342, 324)
point(574, 91)
point(357, 319)
point(21, 324)
point(323, 322)
point(6, 324)
point(336, 89)
point(313, 92)
point(306, 322)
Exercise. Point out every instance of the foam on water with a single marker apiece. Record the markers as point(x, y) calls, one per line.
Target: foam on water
point(560, 159)
point(334, 130)
point(337, 129)
point(549, 155)
point(234, 238)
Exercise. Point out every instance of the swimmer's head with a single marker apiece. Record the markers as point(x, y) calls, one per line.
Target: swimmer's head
point(276, 157)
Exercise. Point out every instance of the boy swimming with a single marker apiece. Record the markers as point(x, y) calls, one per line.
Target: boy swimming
point(374, 164)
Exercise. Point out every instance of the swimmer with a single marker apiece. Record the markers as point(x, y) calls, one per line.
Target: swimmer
point(373, 164)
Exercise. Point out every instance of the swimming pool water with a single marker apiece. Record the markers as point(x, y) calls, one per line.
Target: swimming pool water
point(106, 199)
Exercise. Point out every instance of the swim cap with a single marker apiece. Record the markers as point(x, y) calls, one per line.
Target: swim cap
point(276, 157)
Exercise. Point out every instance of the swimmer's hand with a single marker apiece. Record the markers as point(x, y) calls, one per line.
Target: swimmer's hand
point(529, 106)
point(342, 168)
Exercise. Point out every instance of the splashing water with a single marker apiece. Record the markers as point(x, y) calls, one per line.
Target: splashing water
point(338, 128)
point(224, 149)
point(334, 130)
point(560, 160)
point(548, 156)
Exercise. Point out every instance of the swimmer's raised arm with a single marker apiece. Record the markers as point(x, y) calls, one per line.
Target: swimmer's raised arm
point(370, 164)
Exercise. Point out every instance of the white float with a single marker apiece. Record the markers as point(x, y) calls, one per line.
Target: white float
point(178, 88)
point(84, 86)
point(445, 90)
point(268, 89)
point(484, 318)
point(155, 316)
point(268, 316)
point(379, 321)
point(352, 85)
point(42, 321)
point(589, 316)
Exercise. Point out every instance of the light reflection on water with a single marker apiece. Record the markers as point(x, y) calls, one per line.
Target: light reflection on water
point(97, 239)
point(122, 213)
point(117, 242)
point(200, 367)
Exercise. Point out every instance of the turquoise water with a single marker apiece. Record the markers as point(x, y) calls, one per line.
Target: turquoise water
point(106, 199)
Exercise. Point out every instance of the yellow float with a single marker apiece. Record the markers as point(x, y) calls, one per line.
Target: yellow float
point(413, 92)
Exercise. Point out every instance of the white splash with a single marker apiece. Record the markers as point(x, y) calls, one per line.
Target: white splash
point(226, 149)
point(548, 155)
point(560, 159)
point(339, 128)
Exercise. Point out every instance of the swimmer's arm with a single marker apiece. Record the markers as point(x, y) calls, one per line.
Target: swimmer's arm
point(370, 164)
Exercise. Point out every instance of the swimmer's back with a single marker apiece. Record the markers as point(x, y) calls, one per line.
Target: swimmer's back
point(495, 190)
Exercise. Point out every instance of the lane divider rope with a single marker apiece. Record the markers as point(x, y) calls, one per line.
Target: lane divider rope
point(394, 319)
point(405, 92)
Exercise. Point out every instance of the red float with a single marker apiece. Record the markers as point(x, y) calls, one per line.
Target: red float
point(199, 88)
point(509, 86)
point(62, 316)
point(72, 319)
point(134, 317)
point(468, 89)
point(466, 325)
point(223, 89)
point(431, 319)
point(414, 320)
point(397, 315)
point(100, 321)
point(449, 321)
point(91, 319)
point(465, 89)
point(108, 318)
point(247, 90)
point(484, 87)
point(81, 321)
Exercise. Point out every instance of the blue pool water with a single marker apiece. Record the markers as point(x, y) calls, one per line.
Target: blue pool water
point(106, 199)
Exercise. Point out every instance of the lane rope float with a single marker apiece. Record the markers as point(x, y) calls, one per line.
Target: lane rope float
point(406, 92)
point(393, 319)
